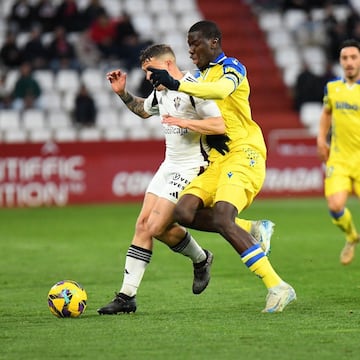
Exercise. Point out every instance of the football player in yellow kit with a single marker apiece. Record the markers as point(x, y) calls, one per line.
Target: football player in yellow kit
point(341, 113)
point(213, 200)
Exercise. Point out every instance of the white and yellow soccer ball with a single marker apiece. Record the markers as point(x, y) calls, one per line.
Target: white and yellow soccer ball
point(67, 299)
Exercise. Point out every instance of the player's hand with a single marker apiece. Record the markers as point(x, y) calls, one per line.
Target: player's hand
point(323, 149)
point(218, 142)
point(117, 80)
point(174, 121)
point(162, 77)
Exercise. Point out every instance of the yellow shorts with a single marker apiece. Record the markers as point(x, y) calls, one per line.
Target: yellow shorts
point(342, 175)
point(236, 178)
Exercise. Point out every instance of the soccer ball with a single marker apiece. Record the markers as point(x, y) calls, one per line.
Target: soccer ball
point(66, 299)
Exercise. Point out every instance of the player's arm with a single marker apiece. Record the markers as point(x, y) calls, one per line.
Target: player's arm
point(208, 126)
point(324, 127)
point(134, 103)
point(219, 89)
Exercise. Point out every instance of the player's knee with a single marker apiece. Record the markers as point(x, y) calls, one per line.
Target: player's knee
point(183, 216)
point(219, 222)
point(155, 229)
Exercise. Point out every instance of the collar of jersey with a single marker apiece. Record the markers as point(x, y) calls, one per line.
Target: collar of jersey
point(344, 81)
point(218, 60)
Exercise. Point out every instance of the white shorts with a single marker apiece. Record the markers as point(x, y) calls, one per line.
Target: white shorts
point(170, 180)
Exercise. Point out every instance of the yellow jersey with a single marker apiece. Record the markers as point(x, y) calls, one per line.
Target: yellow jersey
point(225, 81)
point(343, 100)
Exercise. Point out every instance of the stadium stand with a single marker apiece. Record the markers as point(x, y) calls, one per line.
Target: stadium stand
point(272, 42)
point(59, 88)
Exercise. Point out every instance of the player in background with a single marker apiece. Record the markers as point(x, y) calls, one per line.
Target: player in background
point(229, 185)
point(185, 157)
point(341, 115)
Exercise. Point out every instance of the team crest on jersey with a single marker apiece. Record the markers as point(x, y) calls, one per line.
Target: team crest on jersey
point(177, 102)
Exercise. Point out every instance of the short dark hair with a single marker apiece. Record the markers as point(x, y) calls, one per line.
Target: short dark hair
point(208, 29)
point(155, 51)
point(350, 43)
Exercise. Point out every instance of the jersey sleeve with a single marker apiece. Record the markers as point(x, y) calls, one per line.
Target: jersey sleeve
point(233, 74)
point(326, 99)
point(206, 108)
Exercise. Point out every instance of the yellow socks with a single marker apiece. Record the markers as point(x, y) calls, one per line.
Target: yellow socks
point(244, 224)
point(343, 220)
point(257, 262)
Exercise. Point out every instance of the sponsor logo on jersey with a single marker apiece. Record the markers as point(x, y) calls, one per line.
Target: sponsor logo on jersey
point(343, 105)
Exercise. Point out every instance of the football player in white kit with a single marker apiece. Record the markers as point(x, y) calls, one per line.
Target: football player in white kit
point(185, 158)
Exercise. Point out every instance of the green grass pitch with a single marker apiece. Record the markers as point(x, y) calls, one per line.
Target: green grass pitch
point(39, 247)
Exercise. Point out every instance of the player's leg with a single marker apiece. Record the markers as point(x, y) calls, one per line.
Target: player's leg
point(161, 226)
point(137, 258)
point(261, 230)
point(342, 218)
point(337, 187)
point(232, 196)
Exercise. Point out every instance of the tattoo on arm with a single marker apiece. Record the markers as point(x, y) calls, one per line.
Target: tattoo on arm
point(135, 104)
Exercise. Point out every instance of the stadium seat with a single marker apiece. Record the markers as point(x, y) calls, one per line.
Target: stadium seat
point(90, 134)
point(59, 120)
point(182, 6)
point(139, 133)
point(68, 101)
point(108, 118)
point(67, 80)
point(102, 100)
point(144, 25)
point(15, 136)
point(65, 134)
point(168, 26)
point(51, 99)
point(10, 80)
point(45, 78)
point(9, 119)
point(188, 19)
point(112, 134)
point(293, 18)
point(132, 7)
point(129, 120)
point(287, 56)
point(310, 115)
point(40, 135)
point(33, 119)
point(159, 6)
point(278, 38)
point(270, 20)
point(94, 80)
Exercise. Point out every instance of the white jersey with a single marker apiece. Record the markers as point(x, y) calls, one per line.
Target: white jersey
point(184, 147)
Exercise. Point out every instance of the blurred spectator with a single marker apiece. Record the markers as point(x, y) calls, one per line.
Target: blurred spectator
point(61, 52)
point(86, 50)
point(34, 51)
point(27, 91)
point(91, 12)
point(356, 32)
point(309, 87)
point(103, 33)
point(296, 4)
point(45, 14)
point(21, 16)
point(129, 43)
point(69, 16)
point(10, 53)
point(84, 110)
point(336, 37)
point(352, 22)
